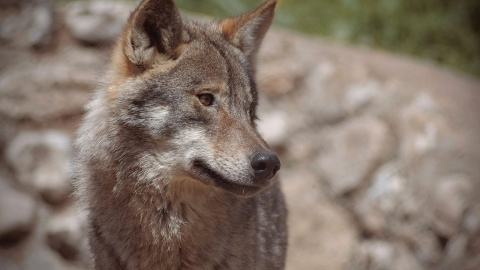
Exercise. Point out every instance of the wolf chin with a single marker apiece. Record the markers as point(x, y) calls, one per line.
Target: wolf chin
point(170, 167)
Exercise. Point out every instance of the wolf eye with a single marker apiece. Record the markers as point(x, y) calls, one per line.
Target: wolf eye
point(206, 99)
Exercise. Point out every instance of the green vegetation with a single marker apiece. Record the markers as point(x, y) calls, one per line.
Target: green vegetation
point(444, 31)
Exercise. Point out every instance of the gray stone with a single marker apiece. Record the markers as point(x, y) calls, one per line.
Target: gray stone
point(32, 92)
point(40, 161)
point(383, 255)
point(422, 240)
point(275, 46)
point(273, 126)
point(332, 92)
point(17, 213)
point(65, 233)
point(8, 264)
point(471, 222)
point(96, 22)
point(8, 3)
point(30, 25)
point(472, 263)
point(39, 257)
point(421, 127)
point(281, 77)
point(302, 146)
point(319, 100)
point(450, 199)
point(385, 201)
point(455, 252)
point(352, 151)
point(405, 259)
point(321, 232)
point(375, 255)
point(359, 95)
point(41, 28)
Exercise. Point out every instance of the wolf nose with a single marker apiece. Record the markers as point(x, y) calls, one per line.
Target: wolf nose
point(265, 164)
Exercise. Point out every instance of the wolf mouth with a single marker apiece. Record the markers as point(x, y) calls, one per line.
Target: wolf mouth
point(205, 171)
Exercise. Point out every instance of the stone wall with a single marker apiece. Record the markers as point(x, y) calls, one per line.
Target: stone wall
point(380, 154)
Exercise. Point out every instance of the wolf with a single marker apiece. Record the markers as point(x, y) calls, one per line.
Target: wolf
point(170, 167)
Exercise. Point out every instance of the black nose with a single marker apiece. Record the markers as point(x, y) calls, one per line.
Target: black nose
point(265, 164)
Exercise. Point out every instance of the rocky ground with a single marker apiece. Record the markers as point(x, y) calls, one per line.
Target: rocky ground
point(380, 154)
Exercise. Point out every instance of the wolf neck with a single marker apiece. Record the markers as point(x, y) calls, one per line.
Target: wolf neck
point(160, 221)
point(168, 215)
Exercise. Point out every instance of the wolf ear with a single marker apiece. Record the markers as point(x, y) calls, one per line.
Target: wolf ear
point(154, 27)
point(247, 30)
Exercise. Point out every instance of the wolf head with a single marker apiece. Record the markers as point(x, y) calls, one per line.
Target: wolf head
point(184, 93)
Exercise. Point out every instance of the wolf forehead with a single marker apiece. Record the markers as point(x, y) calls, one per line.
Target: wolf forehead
point(205, 62)
point(210, 61)
point(158, 44)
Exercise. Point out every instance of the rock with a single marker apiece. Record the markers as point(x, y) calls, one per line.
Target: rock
point(422, 125)
point(421, 239)
point(302, 146)
point(72, 72)
point(275, 46)
point(65, 233)
point(332, 92)
point(96, 22)
point(41, 28)
point(40, 161)
point(450, 200)
point(8, 3)
point(280, 119)
point(41, 258)
point(352, 151)
point(318, 100)
point(281, 77)
point(426, 138)
point(17, 213)
point(473, 263)
point(273, 126)
point(374, 255)
point(380, 255)
point(405, 259)
point(359, 95)
point(31, 25)
point(321, 232)
point(385, 202)
point(455, 252)
point(471, 223)
point(8, 264)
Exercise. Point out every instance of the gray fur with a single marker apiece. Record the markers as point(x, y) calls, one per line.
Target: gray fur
point(145, 142)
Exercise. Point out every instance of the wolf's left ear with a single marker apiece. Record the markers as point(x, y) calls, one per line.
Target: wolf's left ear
point(154, 28)
point(248, 30)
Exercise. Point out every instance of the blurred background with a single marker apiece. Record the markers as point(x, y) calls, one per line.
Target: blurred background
point(373, 106)
point(444, 31)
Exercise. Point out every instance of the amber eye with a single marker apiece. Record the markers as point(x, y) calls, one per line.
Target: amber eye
point(206, 99)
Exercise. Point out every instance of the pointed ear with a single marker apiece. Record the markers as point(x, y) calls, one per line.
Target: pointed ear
point(154, 28)
point(247, 31)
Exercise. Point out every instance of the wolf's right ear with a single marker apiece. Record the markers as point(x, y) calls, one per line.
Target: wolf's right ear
point(154, 28)
point(247, 31)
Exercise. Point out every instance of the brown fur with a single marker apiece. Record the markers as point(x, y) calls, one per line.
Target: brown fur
point(167, 181)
